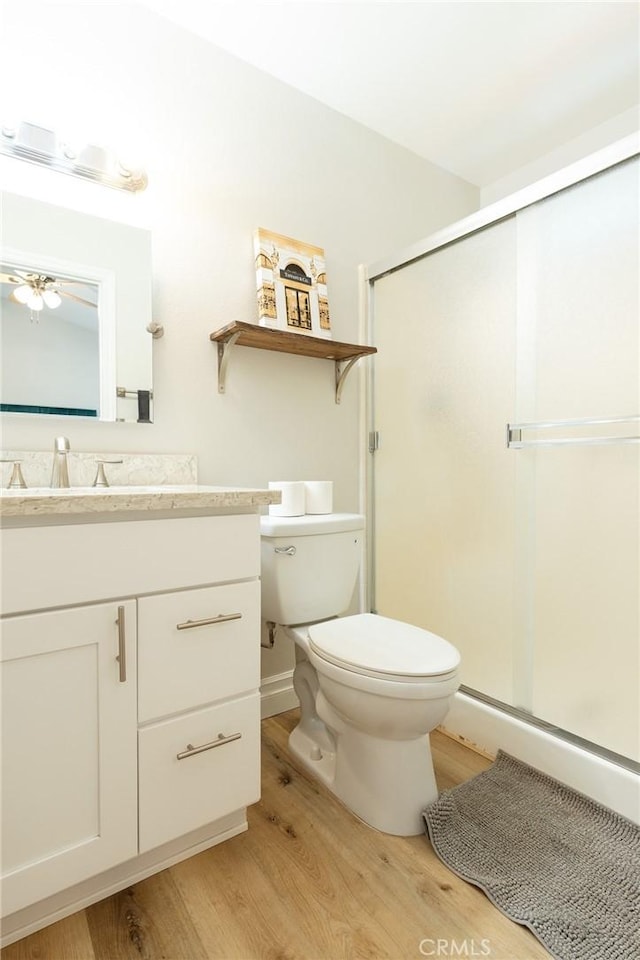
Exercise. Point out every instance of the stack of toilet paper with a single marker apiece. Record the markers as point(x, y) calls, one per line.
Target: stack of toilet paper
point(302, 496)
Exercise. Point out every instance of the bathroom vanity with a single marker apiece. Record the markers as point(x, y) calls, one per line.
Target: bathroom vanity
point(130, 687)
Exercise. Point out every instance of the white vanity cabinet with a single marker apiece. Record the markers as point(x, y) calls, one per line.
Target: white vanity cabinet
point(68, 749)
point(130, 658)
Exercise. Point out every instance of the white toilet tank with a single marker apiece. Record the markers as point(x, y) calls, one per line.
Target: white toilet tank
point(309, 565)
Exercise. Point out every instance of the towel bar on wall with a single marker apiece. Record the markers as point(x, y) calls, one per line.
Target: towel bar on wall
point(516, 430)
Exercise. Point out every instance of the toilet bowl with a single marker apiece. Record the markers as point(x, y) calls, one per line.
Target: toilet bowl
point(370, 688)
point(364, 733)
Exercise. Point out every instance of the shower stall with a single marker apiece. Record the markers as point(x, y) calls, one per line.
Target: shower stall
point(504, 481)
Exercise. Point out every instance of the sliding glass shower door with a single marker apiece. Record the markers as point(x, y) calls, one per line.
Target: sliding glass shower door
point(524, 554)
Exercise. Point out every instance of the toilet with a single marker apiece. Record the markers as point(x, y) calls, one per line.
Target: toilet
point(370, 688)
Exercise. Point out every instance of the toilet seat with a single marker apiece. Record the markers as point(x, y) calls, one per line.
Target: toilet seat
point(370, 645)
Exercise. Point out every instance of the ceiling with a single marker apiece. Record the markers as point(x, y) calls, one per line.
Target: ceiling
point(480, 89)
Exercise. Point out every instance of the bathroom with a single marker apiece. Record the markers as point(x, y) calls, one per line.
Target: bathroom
point(227, 148)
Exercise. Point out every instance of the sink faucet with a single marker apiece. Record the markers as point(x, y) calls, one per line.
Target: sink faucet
point(60, 474)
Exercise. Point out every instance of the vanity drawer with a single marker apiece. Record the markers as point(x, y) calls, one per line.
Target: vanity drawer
point(56, 566)
point(179, 795)
point(197, 646)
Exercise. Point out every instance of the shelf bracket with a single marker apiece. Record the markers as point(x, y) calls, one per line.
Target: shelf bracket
point(344, 355)
point(224, 352)
point(341, 373)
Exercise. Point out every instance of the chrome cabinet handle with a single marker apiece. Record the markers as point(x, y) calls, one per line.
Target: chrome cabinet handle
point(222, 618)
point(289, 551)
point(191, 751)
point(122, 650)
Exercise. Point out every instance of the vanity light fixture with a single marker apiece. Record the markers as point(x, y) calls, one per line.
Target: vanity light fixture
point(28, 141)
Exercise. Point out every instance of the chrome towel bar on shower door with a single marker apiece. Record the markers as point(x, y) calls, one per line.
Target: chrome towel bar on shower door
point(516, 430)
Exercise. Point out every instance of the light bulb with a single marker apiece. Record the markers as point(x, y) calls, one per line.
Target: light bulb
point(22, 293)
point(35, 302)
point(52, 299)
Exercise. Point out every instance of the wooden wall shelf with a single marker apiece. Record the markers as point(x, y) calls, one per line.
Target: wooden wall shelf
point(242, 334)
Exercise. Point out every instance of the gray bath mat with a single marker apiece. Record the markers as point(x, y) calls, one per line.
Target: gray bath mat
point(547, 856)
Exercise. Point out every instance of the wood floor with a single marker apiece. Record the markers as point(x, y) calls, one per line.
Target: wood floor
point(308, 881)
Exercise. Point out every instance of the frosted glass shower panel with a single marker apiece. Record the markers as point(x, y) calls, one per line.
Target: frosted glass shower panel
point(526, 557)
point(585, 499)
point(586, 580)
point(444, 479)
point(581, 276)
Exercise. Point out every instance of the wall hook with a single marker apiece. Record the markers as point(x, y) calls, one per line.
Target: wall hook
point(155, 329)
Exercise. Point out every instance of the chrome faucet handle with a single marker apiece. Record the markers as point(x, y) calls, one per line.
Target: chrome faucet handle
point(17, 480)
point(101, 477)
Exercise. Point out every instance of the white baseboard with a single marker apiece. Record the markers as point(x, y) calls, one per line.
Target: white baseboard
point(277, 694)
point(489, 729)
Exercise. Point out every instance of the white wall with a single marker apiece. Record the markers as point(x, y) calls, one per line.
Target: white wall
point(227, 149)
point(618, 127)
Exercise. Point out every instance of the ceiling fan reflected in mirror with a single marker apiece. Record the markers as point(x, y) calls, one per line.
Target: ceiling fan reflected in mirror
point(39, 290)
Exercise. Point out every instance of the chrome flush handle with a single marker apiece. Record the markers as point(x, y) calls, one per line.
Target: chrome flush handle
point(289, 551)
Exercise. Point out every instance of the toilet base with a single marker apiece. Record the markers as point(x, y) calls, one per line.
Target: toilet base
point(386, 783)
point(321, 763)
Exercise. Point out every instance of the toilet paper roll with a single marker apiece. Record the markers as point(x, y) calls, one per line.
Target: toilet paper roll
point(318, 496)
point(293, 498)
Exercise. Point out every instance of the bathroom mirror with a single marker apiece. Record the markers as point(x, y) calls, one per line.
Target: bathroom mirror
point(75, 301)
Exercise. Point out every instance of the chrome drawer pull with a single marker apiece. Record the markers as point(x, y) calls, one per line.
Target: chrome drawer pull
point(220, 742)
point(222, 618)
point(122, 650)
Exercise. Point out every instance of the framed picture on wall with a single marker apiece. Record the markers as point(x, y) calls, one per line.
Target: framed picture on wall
point(291, 285)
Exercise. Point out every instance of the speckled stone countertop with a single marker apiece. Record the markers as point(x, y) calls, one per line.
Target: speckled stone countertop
point(45, 502)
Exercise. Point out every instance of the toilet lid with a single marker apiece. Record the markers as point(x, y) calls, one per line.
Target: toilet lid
point(368, 643)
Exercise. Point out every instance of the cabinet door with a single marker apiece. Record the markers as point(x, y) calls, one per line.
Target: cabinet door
point(69, 798)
